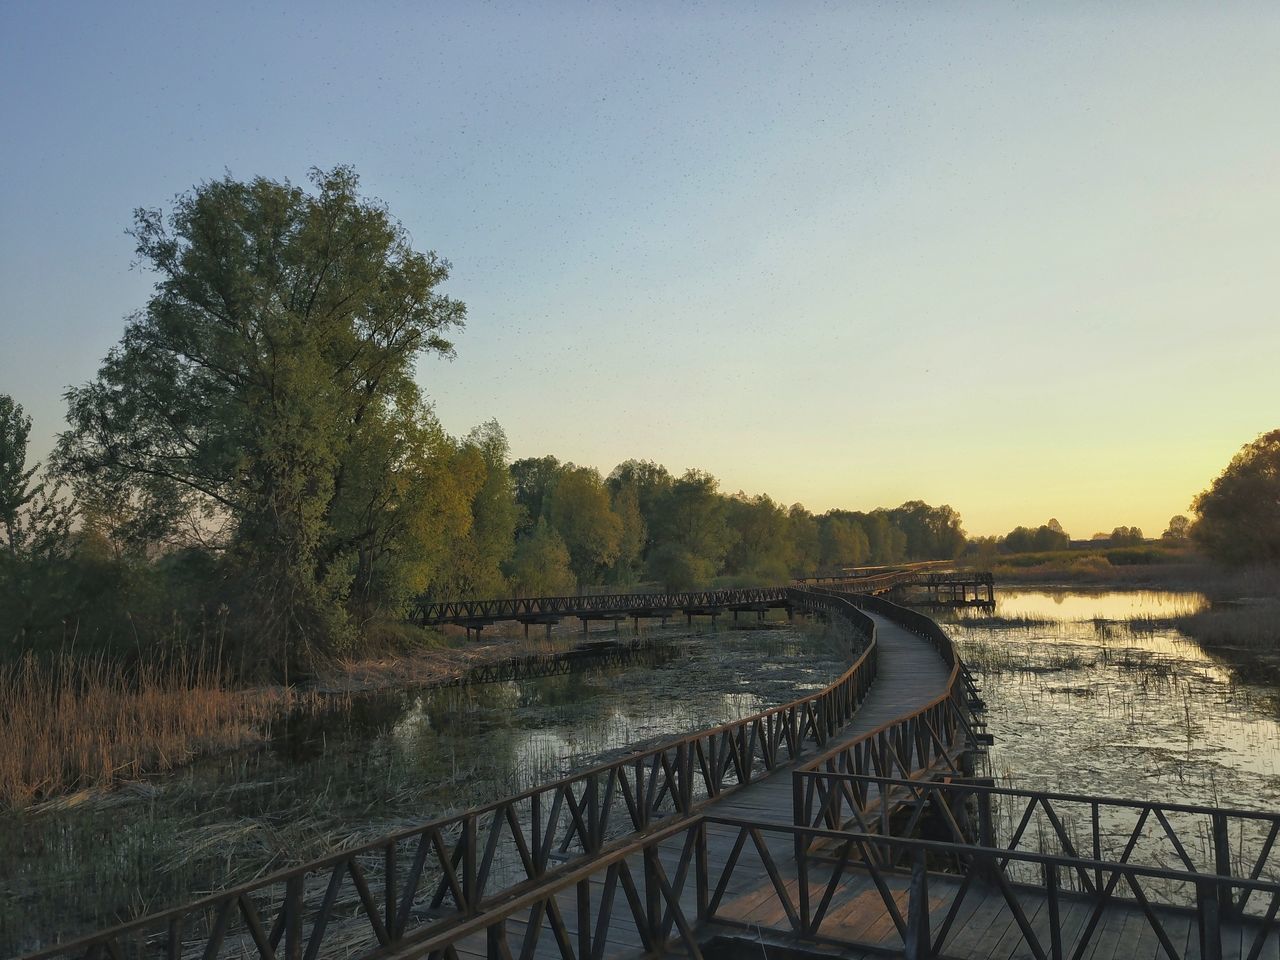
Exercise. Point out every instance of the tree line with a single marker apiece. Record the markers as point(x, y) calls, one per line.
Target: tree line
point(255, 468)
point(254, 464)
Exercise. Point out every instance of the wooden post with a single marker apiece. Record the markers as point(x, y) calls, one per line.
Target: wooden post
point(470, 876)
point(1208, 920)
point(584, 918)
point(389, 889)
point(1222, 864)
point(293, 918)
point(1055, 917)
point(653, 896)
point(702, 873)
point(919, 945)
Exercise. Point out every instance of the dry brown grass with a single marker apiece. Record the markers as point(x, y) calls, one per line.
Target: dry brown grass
point(77, 723)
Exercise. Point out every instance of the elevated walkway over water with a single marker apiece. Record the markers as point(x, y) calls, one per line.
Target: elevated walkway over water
point(845, 823)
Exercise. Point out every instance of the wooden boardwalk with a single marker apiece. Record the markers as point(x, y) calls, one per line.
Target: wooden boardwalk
point(844, 823)
point(747, 851)
point(909, 675)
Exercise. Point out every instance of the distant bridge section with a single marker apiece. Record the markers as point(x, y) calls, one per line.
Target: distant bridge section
point(477, 614)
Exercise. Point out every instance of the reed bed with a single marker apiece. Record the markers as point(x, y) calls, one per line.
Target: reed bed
point(1254, 625)
point(75, 723)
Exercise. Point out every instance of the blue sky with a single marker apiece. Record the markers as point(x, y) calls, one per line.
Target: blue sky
point(1017, 258)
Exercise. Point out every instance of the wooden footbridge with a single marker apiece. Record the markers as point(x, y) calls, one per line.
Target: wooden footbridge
point(846, 823)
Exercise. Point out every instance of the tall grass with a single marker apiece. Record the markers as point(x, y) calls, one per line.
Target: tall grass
point(1254, 626)
point(72, 723)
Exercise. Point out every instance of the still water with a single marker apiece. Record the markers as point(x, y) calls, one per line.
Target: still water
point(374, 765)
point(1092, 692)
point(1087, 692)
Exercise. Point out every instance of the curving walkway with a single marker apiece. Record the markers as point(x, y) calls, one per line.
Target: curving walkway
point(910, 674)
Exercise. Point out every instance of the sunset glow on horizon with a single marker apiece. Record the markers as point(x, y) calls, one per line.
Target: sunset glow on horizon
point(1022, 261)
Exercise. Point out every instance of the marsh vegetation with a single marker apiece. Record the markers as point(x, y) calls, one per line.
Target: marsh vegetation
point(322, 779)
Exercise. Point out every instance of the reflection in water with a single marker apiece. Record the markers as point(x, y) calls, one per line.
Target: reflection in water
point(1136, 711)
point(387, 761)
point(1106, 605)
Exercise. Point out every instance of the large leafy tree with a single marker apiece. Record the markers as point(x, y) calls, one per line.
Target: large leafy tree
point(1239, 515)
point(267, 390)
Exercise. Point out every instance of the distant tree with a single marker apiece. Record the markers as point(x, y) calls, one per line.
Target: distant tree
point(1047, 537)
point(982, 551)
point(579, 510)
point(763, 549)
point(473, 567)
point(932, 533)
point(887, 543)
point(532, 479)
point(842, 543)
point(35, 526)
point(690, 531)
point(35, 523)
point(540, 565)
point(1179, 528)
point(651, 483)
point(804, 536)
point(1126, 536)
point(1239, 515)
point(625, 498)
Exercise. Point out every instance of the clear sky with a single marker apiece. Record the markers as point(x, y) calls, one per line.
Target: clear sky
point(1018, 258)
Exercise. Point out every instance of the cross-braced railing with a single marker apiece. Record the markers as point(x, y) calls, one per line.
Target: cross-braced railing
point(1183, 837)
point(890, 877)
point(429, 612)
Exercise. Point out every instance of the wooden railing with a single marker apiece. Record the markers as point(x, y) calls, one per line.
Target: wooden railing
point(924, 929)
point(428, 879)
point(516, 608)
point(428, 612)
point(928, 740)
point(673, 884)
point(1198, 839)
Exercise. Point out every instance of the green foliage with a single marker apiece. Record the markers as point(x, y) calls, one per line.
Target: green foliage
point(633, 532)
point(532, 479)
point(764, 551)
point(262, 398)
point(1179, 529)
point(472, 565)
point(580, 510)
point(1239, 515)
point(692, 530)
point(541, 565)
point(36, 527)
point(842, 542)
point(1126, 536)
point(933, 532)
point(1047, 537)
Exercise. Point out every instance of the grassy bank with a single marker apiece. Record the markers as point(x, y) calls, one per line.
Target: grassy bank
point(74, 723)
